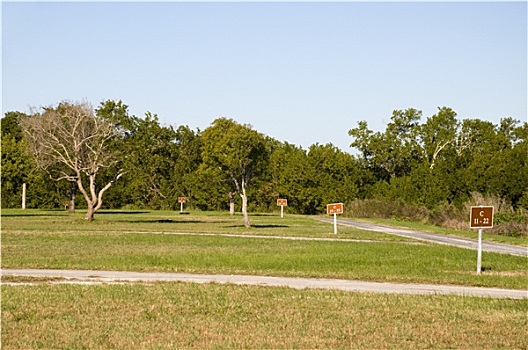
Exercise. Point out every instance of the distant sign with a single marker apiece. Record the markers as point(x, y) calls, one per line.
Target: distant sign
point(182, 199)
point(334, 208)
point(481, 217)
point(282, 202)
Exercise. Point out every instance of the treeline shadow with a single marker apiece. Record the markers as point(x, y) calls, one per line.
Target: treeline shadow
point(122, 212)
point(162, 221)
point(33, 214)
point(260, 226)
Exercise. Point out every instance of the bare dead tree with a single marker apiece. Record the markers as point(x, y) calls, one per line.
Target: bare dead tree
point(71, 143)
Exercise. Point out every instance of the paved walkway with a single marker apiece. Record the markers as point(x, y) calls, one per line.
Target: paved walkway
point(93, 276)
point(436, 238)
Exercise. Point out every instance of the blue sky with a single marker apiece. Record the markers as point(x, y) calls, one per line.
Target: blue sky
point(303, 73)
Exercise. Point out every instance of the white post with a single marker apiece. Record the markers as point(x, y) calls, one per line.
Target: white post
point(282, 211)
point(24, 195)
point(181, 207)
point(479, 251)
point(335, 224)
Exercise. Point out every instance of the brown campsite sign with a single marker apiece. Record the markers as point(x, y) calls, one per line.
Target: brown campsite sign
point(334, 208)
point(481, 217)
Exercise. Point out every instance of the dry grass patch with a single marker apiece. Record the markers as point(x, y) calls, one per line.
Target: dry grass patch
point(181, 315)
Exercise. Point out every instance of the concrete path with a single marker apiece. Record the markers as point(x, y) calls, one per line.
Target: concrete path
point(93, 276)
point(436, 238)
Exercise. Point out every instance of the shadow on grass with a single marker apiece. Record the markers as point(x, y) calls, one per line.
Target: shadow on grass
point(33, 215)
point(168, 221)
point(117, 212)
point(259, 226)
point(162, 221)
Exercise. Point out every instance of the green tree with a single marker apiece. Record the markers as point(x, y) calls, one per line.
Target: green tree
point(393, 152)
point(498, 159)
point(151, 154)
point(186, 163)
point(294, 178)
point(16, 163)
point(239, 152)
point(438, 136)
point(336, 174)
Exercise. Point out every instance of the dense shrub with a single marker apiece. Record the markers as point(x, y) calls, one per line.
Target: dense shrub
point(385, 209)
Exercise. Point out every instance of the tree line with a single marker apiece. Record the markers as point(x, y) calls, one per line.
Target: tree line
point(106, 158)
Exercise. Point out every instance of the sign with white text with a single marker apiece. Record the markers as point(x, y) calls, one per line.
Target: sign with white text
point(282, 202)
point(334, 208)
point(481, 217)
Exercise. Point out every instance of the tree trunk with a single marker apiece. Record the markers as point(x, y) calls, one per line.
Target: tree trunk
point(244, 206)
point(90, 212)
point(94, 200)
point(91, 201)
point(231, 196)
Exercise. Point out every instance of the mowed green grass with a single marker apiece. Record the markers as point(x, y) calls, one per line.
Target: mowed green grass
point(214, 316)
point(212, 243)
point(195, 316)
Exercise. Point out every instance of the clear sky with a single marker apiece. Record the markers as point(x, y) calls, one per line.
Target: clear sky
point(303, 73)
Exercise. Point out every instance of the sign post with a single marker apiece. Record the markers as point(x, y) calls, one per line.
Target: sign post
point(181, 200)
point(334, 208)
point(282, 202)
point(480, 217)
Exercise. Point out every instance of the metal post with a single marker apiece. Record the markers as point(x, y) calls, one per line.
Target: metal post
point(282, 211)
point(181, 207)
point(335, 224)
point(479, 251)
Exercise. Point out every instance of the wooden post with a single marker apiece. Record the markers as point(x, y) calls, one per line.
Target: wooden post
point(231, 203)
point(24, 196)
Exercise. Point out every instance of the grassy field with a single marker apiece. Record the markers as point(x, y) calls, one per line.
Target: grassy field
point(180, 315)
point(205, 243)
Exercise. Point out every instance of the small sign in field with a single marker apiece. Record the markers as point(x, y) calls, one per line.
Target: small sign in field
point(481, 217)
point(334, 208)
point(282, 202)
point(182, 200)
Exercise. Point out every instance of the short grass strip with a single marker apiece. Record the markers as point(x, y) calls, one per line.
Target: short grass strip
point(194, 316)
